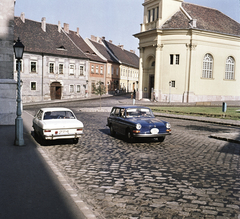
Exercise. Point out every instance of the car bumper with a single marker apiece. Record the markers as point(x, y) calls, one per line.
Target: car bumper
point(142, 135)
point(54, 137)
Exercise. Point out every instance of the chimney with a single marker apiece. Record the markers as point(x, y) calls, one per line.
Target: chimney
point(78, 31)
point(22, 17)
point(93, 38)
point(66, 28)
point(44, 24)
point(110, 41)
point(103, 38)
point(121, 46)
point(59, 27)
point(132, 51)
point(193, 23)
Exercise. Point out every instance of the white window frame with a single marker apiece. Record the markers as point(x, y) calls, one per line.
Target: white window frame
point(35, 66)
point(31, 85)
point(81, 70)
point(207, 66)
point(60, 64)
point(78, 88)
point(71, 88)
point(71, 69)
point(51, 66)
point(230, 68)
point(101, 69)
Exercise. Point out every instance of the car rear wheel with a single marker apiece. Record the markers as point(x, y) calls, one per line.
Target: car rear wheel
point(112, 132)
point(161, 139)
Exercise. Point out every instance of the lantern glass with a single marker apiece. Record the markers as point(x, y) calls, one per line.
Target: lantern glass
point(18, 49)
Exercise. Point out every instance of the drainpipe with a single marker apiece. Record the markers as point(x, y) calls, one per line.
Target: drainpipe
point(42, 74)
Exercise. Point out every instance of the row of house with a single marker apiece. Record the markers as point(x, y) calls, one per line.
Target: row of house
point(58, 64)
point(188, 53)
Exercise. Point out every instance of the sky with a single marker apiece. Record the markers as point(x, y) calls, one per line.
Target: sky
point(116, 20)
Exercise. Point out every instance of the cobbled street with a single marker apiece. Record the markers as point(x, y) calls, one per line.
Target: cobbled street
point(189, 175)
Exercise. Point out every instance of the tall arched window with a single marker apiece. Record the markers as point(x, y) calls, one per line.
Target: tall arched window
point(229, 71)
point(207, 66)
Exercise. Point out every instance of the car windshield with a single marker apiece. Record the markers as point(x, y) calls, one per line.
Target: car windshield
point(138, 112)
point(58, 115)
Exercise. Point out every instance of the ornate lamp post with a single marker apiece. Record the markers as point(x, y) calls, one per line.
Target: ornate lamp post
point(19, 141)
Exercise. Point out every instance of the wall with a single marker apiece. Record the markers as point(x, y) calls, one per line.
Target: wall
point(7, 83)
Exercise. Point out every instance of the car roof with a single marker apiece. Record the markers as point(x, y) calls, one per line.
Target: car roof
point(55, 109)
point(131, 106)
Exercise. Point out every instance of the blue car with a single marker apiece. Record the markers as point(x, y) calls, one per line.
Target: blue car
point(137, 122)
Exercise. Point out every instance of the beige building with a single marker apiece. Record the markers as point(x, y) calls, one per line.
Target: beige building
point(188, 53)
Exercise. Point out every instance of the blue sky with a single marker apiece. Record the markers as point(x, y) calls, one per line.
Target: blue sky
point(117, 20)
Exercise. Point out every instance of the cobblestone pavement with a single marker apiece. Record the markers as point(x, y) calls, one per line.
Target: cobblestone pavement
point(189, 175)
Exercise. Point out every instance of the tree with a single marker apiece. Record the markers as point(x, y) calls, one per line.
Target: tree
point(99, 89)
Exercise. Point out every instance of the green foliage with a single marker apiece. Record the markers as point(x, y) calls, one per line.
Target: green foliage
point(99, 88)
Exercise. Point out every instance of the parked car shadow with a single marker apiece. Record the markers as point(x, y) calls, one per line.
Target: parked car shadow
point(42, 142)
point(134, 140)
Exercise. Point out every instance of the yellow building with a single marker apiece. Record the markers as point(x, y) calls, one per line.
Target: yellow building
point(188, 53)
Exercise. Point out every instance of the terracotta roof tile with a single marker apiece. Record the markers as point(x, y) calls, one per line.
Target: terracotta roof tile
point(126, 57)
point(102, 49)
point(50, 42)
point(207, 19)
point(78, 40)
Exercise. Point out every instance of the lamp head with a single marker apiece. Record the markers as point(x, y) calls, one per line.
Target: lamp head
point(18, 49)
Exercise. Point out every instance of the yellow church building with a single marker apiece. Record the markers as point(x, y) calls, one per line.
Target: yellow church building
point(188, 53)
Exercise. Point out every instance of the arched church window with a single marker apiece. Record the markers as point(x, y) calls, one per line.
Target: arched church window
point(229, 71)
point(207, 66)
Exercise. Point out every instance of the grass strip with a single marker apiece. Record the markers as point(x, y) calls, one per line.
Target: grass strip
point(215, 112)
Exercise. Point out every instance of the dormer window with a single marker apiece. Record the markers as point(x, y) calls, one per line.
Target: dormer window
point(61, 48)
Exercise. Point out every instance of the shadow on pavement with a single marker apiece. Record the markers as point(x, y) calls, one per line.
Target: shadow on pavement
point(134, 140)
point(51, 142)
point(29, 188)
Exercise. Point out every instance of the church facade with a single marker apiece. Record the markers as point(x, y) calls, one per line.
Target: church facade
point(188, 53)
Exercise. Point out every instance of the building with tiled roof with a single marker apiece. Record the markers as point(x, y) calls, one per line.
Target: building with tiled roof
point(188, 53)
point(123, 65)
point(56, 61)
point(112, 76)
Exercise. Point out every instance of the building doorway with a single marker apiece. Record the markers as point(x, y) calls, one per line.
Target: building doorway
point(151, 85)
point(55, 91)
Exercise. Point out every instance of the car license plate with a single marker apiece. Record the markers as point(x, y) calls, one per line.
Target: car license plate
point(154, 131)
point(63, 132)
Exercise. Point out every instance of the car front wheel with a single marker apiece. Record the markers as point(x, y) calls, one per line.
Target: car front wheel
point(161, 139)
point(112, 132)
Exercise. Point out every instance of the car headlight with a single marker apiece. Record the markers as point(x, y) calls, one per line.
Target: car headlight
point(138, 126)
point(168, 126)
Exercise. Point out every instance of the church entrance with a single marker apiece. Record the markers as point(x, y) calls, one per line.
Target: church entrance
point(55, 91)
point(151, 86)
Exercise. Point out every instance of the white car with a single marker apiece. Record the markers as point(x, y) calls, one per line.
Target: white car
point(57, 123)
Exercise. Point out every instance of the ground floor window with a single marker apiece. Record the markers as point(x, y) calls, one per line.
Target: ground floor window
point(33, 85)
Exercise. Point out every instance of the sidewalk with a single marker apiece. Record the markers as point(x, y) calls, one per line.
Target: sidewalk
point(29, 188)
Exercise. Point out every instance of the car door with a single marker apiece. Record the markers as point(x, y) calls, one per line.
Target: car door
point(37, 120)
point(122, 121)
point(115, 119)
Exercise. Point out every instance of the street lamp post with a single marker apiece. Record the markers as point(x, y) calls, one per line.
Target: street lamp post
point(18, 51)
